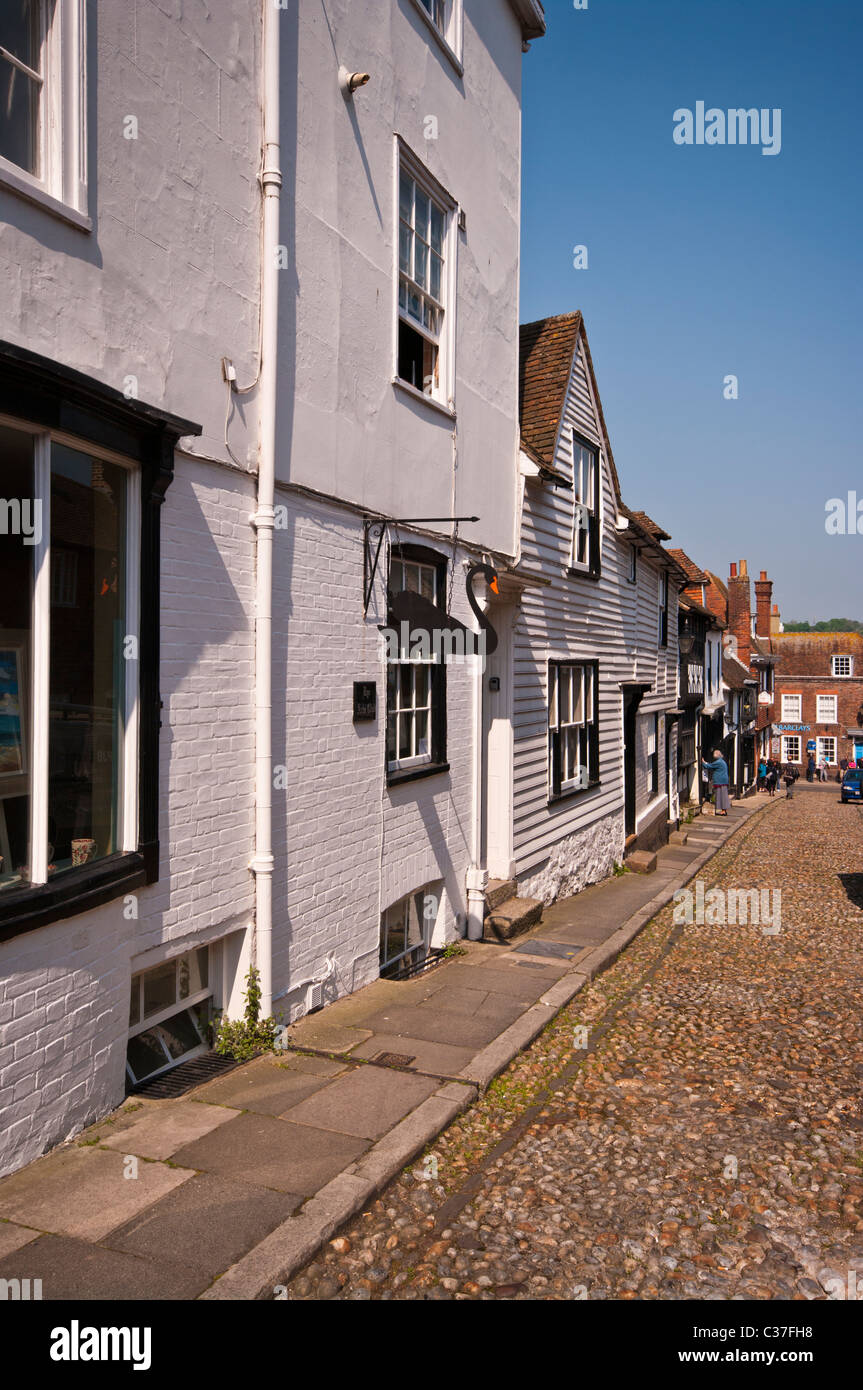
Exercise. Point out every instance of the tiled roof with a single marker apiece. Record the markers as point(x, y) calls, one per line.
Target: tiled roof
point(546, 350)
point(693, 606)
point(734, 674)
point(651, 527)
point(714, 579)
point(696, 575)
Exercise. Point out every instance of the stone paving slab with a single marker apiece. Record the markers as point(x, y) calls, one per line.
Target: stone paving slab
point(317, 1032)
point(439, 1059)
point(273, 1153)
point(367, 1102)
point(161, 1132)
point(75, 1270)
point(81, 1191)
point(511, 980)
point(208, 1223)
point(12, 1237)
point(271, 1086)
point(437, 1025)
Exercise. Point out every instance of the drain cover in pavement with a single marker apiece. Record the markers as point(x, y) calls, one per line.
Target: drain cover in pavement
point(182, 1078)
point(549, 948)
point(394, 1059)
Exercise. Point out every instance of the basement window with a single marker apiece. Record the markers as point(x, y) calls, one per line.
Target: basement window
point(406, 929)
point(170, 1008)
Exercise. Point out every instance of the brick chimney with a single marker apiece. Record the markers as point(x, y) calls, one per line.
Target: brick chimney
point(739, 617)
point(763, 595)
point(775, 621)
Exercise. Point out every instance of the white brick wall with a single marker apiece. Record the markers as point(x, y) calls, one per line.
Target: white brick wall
point(64, 989)
point(345, 846)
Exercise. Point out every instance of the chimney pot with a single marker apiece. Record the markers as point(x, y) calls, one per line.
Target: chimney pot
point(763, 574)
point(733, 569)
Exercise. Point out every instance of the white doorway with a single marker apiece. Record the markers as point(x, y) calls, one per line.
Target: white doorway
point(498, 750)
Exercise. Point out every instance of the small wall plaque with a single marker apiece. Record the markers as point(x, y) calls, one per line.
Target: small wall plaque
point(365, 701)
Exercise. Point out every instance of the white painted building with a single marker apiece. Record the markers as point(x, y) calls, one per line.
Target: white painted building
point(398, 361)
point(129, 244)
point(592, 627)
point(160, 828)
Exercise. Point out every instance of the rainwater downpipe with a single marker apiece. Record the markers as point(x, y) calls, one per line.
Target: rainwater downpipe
point(264, 518)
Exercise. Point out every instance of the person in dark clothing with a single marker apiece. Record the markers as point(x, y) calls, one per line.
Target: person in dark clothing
point(789, 779)
point(771, 779)
point(810, 769)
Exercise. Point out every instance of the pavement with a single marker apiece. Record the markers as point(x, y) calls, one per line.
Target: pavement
point(227, 1192)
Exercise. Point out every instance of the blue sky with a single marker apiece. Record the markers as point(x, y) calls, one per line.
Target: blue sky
point(706, 261)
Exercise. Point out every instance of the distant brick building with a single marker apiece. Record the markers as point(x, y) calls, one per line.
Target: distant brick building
point(819, 695)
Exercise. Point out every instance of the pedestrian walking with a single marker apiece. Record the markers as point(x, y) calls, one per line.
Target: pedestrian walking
point(810, 769)
point(771, 779)
point(789, 779)
point(762, 774)
point(718, 770)
point(822, 770)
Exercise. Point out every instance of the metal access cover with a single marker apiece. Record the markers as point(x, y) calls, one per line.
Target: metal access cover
point(548, 948)
point(394, 1059)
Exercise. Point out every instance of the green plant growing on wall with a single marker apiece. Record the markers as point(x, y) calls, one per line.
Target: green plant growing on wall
point(250, 1035)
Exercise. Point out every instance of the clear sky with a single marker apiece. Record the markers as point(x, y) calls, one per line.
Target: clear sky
point(711, 260)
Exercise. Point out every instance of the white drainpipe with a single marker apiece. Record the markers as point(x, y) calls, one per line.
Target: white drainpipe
point(264, 518)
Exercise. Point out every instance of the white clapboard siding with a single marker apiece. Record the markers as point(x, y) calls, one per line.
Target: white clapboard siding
point(608, 620)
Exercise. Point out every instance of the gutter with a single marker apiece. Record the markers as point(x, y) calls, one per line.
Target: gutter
point(264, 519)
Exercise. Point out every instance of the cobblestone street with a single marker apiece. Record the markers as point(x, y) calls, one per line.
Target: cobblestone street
point(706, 1144)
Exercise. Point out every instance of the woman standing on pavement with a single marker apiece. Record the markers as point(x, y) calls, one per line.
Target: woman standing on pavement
point(718, 770)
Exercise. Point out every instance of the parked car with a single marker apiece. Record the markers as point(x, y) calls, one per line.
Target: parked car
point(852, 785)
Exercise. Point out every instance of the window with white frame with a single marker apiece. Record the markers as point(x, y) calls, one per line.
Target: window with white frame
point(791, 748)
point(792, 709)
point(416, 688)
point(841, 666)
point(66, 781)
point(826, 750)
point(425, 217)
point(826, 709)
point(42, 100)
point(170, 1008)
point(79, 640)
point(573, 727)
point(584, 553)
point(653, 754)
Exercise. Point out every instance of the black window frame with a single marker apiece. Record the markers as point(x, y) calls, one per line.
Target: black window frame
point(555, 793)
point(593, 570)
point(423, 555)
point(40, 392)
point(663, 607)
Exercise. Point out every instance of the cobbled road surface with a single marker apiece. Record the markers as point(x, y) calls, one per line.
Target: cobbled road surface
point(707, 1143)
